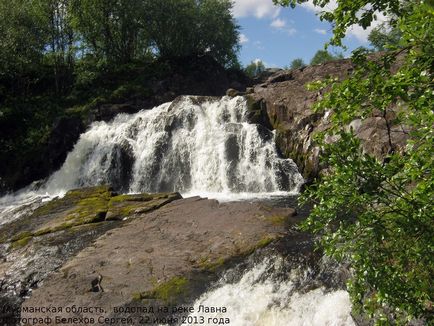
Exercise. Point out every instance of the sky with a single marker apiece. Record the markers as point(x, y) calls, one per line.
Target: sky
point(277, 35)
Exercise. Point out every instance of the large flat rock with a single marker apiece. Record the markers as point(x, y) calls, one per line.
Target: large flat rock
point(159, 257)
point(45, 236)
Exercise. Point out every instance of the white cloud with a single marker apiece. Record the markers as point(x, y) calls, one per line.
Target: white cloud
point(320, 31)
point(362, 34)
point(278, 23)
point(258, 45)
point(256, 8)
point(332, 5)
point(355, 31)
point(243, 39)
point(266, 64)
point(291, 31)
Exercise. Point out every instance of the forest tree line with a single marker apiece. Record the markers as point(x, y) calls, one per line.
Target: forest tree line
point(50, 37)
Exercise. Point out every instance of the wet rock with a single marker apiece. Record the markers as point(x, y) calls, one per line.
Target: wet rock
point(106, 112)
point(43, 239)
point(121, 164)
point(257, 112)
point(122, 206)
point(191, 240)
point(232, 92)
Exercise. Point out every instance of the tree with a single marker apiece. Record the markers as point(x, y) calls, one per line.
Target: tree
point(255, 68)
point(376, 214)
point(112, 30)
point(216, 15)
point(297, 63)
point(322, 56)
point(381, 38)
point(59, 42)
point(181, 28)
point(37, 34)
point(22, 39)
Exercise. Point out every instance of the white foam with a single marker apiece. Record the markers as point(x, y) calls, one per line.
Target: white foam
point(189, 146)
point(258, 299)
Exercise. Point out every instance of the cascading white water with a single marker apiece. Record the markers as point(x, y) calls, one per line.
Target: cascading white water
point(192, 145)
point(259, 299)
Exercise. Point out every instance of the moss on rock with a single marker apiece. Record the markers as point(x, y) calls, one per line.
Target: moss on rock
point(277, 219)
point(21, 235)
point(21, 242)
point(167, 292)
point(123, 206)
point(80, 207)
point(207, 264)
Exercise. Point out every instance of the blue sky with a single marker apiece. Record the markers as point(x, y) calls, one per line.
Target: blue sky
point(278, 35)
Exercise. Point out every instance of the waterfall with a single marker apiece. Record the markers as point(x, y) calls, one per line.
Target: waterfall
point(193, 145)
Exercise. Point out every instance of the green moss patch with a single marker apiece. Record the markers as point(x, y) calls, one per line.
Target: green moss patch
point(125, 205)
point(168, 292)
point(277, 220)
point(265, 241)
point(21, 242)
point(21, 235)
point(89, 205)
point(79, 207)
point(211, 265)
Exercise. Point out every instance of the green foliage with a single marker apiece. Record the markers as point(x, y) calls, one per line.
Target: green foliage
point(255, 68)
point(122, 31)
point(377, 213)
point(42, 40)
point(67, 57)
point(381, 38)
point(297, 63)
point(22, 38)
point(179, 28)
point(113, 30)
point(322, 56)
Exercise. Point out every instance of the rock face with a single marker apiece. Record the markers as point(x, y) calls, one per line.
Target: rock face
point(36, 244)
point(283, 102)
point(161, 258)
point(64, 133)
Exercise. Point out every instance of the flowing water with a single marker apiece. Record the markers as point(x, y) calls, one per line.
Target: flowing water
point(196, 146)
point(192, 145)
point(265, 296)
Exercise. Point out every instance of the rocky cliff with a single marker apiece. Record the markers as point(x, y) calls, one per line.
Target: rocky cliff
point(283, 103)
